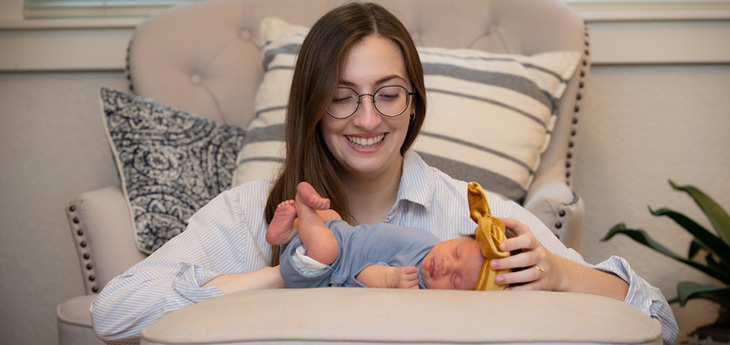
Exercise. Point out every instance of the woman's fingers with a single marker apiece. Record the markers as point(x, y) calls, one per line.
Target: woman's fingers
point(530, 268)
point(523, 239)
point(524, 259)
point(523, 279)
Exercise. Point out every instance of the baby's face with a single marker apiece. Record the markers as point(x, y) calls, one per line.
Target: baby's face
point(453, 264)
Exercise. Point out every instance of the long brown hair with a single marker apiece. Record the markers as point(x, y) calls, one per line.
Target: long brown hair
point(317, 73)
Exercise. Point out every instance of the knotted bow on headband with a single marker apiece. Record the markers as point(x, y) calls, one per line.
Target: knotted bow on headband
point(489, 234)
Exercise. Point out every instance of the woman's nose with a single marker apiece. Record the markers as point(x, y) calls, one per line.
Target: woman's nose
point(366, 116)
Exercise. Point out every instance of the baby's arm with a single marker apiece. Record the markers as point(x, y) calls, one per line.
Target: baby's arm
point(379, 276)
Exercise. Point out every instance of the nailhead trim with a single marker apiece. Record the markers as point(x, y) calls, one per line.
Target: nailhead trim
point(82, 249)
point(576, 110)
point(127, 73)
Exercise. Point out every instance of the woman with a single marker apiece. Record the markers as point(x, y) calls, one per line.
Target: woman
point(358, 156)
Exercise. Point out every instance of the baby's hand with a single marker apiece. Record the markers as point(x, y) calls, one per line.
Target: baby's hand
point(404, 277)
point(379, 276)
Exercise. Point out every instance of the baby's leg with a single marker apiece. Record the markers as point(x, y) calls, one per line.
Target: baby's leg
point(281, 230)
point(319, 240)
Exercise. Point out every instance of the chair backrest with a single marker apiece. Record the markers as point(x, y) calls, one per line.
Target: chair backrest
point(205, 58)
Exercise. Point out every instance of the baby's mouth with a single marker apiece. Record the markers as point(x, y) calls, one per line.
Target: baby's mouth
point(366, 142)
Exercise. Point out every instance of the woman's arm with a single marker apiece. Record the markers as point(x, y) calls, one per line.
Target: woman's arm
point(222, 241)
point(563, 269)
point(266, 278)
point(548, 271)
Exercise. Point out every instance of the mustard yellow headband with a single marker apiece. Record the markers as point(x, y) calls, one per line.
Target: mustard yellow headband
point(489, 234)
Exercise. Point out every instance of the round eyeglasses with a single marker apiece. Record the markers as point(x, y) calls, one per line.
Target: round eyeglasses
point(389, 100)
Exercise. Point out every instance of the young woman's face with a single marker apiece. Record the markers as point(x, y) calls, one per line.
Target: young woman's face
point(368, 144)
point(453, 264)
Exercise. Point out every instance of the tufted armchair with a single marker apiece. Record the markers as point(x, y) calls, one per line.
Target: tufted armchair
point(205, 59)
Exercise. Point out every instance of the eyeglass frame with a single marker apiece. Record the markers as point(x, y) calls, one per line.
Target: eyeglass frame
point(372, 99)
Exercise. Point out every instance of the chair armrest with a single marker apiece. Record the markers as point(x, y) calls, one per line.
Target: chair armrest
point(560, 208)
point(104, 235)
point(394, 316)
point(74, 322)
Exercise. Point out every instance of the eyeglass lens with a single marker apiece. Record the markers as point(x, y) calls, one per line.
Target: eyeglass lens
point(391, 100)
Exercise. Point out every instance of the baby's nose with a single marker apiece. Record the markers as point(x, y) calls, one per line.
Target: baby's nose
point(448, 266)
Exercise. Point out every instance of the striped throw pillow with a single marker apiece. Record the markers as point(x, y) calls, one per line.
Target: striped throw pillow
point(489, 115)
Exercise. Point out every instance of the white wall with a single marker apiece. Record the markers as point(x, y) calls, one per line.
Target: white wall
point(52, 147)
point(652, 111)
point(641, 126)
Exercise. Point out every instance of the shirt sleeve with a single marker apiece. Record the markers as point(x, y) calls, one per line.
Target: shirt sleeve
point(216, 241)
point(641, 294)
point(644, 296)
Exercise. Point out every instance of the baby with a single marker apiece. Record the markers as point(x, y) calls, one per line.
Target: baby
point(323, 250)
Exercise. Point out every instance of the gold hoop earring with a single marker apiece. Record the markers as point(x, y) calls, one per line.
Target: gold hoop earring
point(413, 115)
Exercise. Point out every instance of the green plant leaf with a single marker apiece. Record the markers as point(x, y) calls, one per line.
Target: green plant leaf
point(719, 219)
point(694, 248)
point(688, 290)
point(704, 237)
point(641, 236)
point(720, 265)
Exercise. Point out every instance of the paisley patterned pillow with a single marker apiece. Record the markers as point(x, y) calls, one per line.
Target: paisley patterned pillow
point(170, 163)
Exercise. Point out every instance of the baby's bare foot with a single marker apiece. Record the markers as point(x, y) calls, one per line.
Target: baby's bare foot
point(281, 229)
point(307, 195)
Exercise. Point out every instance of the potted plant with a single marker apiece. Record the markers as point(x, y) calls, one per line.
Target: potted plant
point(709, 252)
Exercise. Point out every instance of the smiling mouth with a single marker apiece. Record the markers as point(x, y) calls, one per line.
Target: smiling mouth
point(366, 142)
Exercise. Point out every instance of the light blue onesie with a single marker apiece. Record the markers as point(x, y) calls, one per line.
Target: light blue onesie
point(360, 247)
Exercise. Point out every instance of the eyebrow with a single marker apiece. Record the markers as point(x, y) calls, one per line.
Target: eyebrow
point(377, 82)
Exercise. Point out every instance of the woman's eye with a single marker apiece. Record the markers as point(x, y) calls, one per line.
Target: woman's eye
point(340, 100)
point(388, 97)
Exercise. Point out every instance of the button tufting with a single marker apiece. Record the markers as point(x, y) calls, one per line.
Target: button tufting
point(195, 79)
point(95, 289)
point(561, 213)
point(558, 225)
point(245, 35)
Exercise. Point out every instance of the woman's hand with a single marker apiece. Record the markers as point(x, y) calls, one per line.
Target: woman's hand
point(536, 268)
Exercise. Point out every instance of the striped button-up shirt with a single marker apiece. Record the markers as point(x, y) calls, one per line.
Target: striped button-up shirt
point(228, 236)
